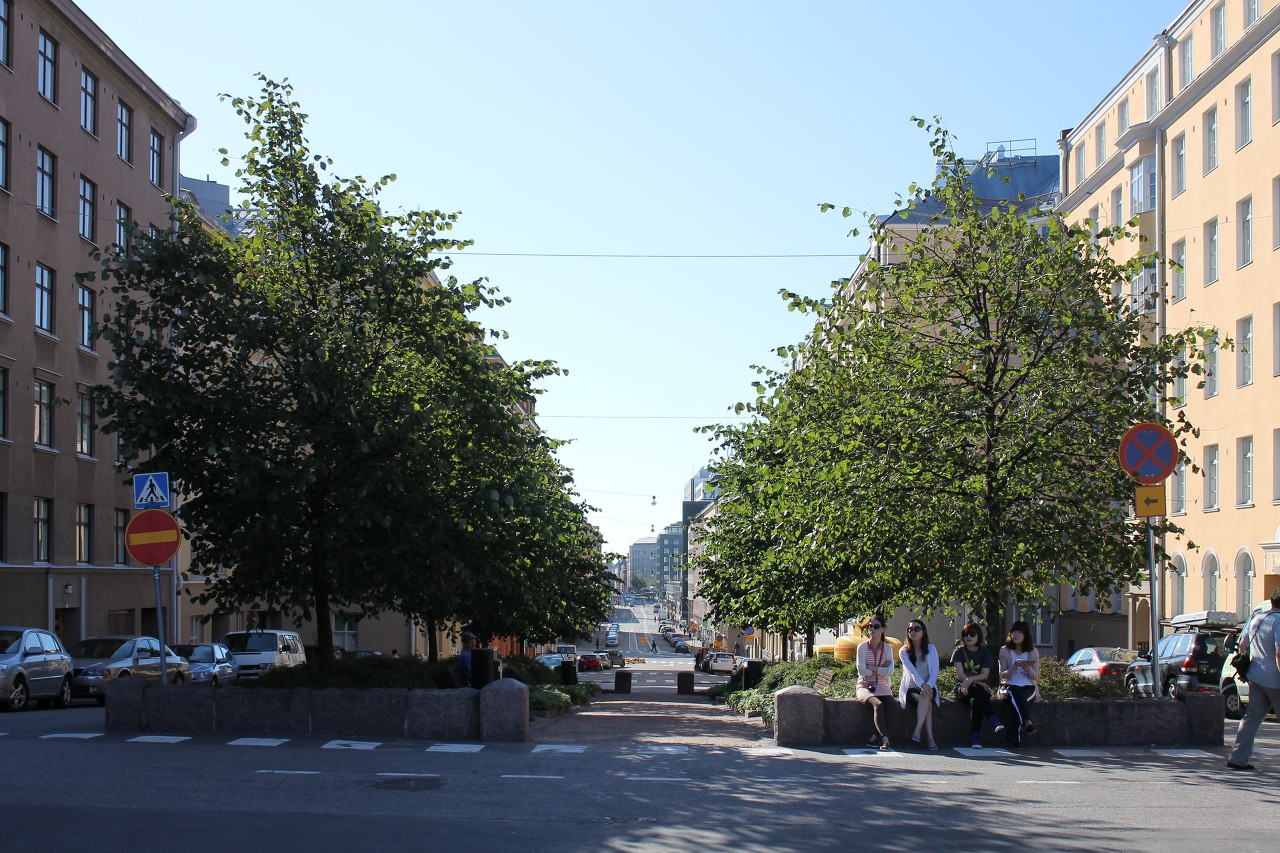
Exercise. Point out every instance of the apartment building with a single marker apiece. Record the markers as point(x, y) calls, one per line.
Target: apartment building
point(1187, 145)
point(88, 144)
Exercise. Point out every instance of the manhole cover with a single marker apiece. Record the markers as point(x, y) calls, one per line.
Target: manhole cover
point(407, 784)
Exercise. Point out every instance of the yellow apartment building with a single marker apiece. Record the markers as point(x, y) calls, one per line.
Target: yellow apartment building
point(1187, 145)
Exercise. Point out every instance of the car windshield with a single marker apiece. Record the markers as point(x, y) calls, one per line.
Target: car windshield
point(103, 648)
point(10, 642)
point(255, 642)
point(196, 654)
point(1118, 655)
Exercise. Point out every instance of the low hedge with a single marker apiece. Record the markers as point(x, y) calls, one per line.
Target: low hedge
point(409, 673)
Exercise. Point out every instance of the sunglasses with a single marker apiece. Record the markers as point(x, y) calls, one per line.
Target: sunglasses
point(968, 633)
point(875, 626)
point(916, 629)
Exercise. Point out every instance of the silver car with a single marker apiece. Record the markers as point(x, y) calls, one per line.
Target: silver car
point(33, 665)
point(100, 660)
point(211, 663)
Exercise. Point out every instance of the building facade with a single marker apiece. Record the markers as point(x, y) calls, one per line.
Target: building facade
point(1187, 147)
point(89, 145)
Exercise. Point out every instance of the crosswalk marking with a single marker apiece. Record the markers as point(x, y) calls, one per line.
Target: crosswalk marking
point(1183, 753)
point(72, 735)
point(663, 749)
point(258, 741)
point(292, 772)
point(1084, 753)
point(158, 739)
point(868, 752)
point(658, 779)
point(775, 751)
point(559, 747)
point(351, 744)
point(528, 776)
point(989, 752)
point(455, 747)
point(412, 775)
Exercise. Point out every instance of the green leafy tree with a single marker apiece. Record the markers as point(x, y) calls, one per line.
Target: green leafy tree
point(948, 435)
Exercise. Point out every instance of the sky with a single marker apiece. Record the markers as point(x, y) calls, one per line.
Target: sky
point(641, 179)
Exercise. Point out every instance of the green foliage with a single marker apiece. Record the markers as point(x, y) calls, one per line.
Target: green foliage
point(548, 699)
point(1058, 682)
point(373, 671)
point(532, 672)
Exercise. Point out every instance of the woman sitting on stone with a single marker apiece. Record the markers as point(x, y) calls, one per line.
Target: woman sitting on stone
point(919, 687)
point(875, 667)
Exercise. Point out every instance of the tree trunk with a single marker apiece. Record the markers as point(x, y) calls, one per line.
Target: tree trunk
point(808, 642)
point(433, 641)
point(995, 631)
point(323, 615)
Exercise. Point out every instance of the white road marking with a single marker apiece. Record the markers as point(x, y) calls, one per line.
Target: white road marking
point(968, 752)
point(158, 739)
point(1266, 750)
point(775, 751)
point(1084, 753)
point(352, 744)
point(1183, 753)
point(559, 747)
point(412, 775)
point(292, 772)
point(662, 749)
point(73, 735)
point(659, 779)
point(455, 747)
point(528, 776)
point(869, 752)
point(1046, 782)
point(258, 741)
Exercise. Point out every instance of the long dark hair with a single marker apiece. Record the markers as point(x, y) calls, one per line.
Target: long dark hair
point(924, 641)
point(1027, 644)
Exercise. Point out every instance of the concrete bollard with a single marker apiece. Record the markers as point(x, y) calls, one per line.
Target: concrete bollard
point(622, 681)
point(798, 716)
point(504, 710)
point(684, 683)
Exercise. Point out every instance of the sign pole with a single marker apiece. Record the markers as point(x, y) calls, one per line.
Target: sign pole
point(164, 653)
point(1155, 607)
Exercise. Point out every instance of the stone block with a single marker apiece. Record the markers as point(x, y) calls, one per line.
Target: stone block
point(1071, 722)
point(178, 709)
point(124, 705)
point(262, 711)
point(504, 710)
point(799, 716)
point(622, 681)
point(1206, 719)
point(847, 722)
point(684, 683)
point(359, 713)
point(1145, 722)
point(443, 714)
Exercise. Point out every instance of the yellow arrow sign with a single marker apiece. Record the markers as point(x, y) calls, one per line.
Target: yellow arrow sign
point(1148, 501)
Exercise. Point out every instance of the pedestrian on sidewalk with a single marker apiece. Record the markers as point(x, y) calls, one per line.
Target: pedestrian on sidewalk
point(875, 667)
point(972, 661)
point(1019, 670)
point(919, 687)
point(1263, 678)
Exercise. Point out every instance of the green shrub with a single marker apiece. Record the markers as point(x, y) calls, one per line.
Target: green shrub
point(532, 672)
point(582, 692)
point(1058, 682)
point(372, 671)
point(547, 699)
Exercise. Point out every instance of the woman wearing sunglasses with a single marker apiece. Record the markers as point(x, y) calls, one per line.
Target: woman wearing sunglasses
point(875, 666)
point(919, 687)
point(1019, 669)
point(972, 661)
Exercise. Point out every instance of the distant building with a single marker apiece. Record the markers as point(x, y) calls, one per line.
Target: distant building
point(643, 559)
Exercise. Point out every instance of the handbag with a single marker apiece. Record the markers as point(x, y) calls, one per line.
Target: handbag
point(1241, 660)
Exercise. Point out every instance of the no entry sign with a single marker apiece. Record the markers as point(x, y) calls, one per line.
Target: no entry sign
point(1149, 452)
point(152, 537)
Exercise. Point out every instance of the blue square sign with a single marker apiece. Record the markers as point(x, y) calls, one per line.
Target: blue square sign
point(151, 491)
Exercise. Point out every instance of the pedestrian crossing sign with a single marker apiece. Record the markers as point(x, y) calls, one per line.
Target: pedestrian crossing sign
point(151, 491)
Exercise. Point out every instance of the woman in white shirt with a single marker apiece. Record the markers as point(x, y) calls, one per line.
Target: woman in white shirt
point(919, 687)
point(1019, 669)
point(875, 666)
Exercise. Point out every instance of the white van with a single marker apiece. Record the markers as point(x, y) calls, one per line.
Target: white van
point(259, 651)
point(568, 651)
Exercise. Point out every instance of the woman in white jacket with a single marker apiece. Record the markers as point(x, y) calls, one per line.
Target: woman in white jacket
point(919, 687)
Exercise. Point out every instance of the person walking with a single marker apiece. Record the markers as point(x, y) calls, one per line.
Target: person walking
point(919, 687)
point(972, 661)
point(1019, 670)
point(1263, 678)
point(875, 667)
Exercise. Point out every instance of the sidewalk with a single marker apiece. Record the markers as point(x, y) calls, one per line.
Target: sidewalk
point(652, 717)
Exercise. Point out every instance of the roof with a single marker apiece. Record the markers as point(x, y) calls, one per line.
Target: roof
point(998, 178)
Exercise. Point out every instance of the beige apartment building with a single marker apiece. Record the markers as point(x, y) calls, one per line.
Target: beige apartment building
point(88, 143)
point(1188, 145)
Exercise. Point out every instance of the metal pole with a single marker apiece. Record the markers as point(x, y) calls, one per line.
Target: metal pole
point(1155, 609)
point(164, 671)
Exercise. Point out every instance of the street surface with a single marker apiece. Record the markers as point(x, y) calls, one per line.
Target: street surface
point(649, 771)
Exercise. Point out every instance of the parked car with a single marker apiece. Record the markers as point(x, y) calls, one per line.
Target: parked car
point(263, 649)
point(605, 661)
point(551, 660)
point(211, 663)
point(1102, 664)
point(719, 662)
point(617, 658)
point(1190, 660)
point(1235, 690)
point(587, 661)
point(681, 646)
point(33, 665)
point(96, 661)
point(568, 651)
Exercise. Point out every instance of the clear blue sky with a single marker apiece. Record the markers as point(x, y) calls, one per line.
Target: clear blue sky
point(654, 128)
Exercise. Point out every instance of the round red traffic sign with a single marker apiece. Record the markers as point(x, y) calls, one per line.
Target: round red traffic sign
point(1149, 452)
point(152, 537)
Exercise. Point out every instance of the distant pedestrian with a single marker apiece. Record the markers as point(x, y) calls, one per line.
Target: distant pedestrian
point(875, 667)
point(972, 661)
point(919, 687)
point(1264, 680)
point(1019, 670)
point(464, 659)
point(597, 643)
point(395, 655)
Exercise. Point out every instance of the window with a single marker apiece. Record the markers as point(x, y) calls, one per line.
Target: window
point(1244, 571)
point(1122, 116)
point(88, 222)
point(88, 101)
point(1211, 579)
point(119, 552)
point(1186, 61)
point(1178, 496)
point(42, 395)
point(1079, 164)
point(4, 154)
point(1179, 270)
point(1100, 139)
point(47, 68)
point(1244, 113)
point(40, 513)
point(1211, 477)
point(1180, 164)
point(1210, 140)
point(1153, 93)
point(1211, 251)
point(1179, 392)
point(1211, 367)
point(1244, 471)
point(86, 300)
point(1218, 30)
point(1117, 206)
point(46, 182)
point(1275, 339)
point(1142, 291)
point(1275, 213)
point(1250, 12)
point(6, 16)
point(44, 298)
point(4, 405)
point(84, 424)
point(1178, 585)
point(156, 160)
point(124, 216)
point(346, 631)
point(1093, 222)
point(1142, 185)
point(1244, 351)
point(1244, 232)
point(84, 521)
point(4, 278)
point(124, 132)
point(1275, 465)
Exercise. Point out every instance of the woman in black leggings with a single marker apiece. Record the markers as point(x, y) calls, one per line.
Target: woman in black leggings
point(973, 662)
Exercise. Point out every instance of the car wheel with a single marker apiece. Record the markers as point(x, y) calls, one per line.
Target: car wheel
point(1131, 687)
point(18, 696)
point(1171, 689)
point(63, 699)
point(214, 681)
point(1234, 709)
point(179, 678)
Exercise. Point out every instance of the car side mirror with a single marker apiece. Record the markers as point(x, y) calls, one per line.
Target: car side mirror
point(1144, 655)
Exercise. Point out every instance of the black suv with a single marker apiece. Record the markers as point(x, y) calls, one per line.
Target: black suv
point(1190, 660)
